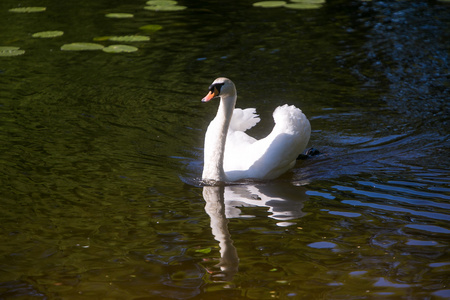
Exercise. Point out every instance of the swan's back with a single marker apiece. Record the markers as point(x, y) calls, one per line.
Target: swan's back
point(271, 156)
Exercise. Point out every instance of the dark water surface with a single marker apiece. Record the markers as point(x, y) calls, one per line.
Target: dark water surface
point(101, 153)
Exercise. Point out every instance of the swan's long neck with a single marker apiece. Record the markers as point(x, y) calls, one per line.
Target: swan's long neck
point(215, 140)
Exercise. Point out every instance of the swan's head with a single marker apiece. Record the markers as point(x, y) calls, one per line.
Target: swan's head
point(221, 87)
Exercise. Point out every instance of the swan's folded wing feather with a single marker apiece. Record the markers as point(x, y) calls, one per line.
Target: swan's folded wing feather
point(243, 119)
point(271, 156)
point(277, 153)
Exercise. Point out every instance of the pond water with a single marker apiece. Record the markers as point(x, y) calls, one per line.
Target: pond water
point(101, 153)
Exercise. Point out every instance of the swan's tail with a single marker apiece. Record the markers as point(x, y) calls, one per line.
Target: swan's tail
point(289, 119)
point(243, 119)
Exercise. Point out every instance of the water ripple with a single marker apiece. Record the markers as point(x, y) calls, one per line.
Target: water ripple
point(431, 215)
point(377, 195)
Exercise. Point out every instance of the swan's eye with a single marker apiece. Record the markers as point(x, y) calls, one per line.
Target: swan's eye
point(215, 88)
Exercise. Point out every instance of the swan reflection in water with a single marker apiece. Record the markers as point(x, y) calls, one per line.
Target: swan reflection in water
point(284, 203)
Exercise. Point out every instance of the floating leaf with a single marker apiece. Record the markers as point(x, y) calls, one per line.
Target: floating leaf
point(282, 281)
point(162, 2)
point(130, 38)
point(309, 1)
point(27, 9)
point(81, 47)
point(269, 4)
point(165, 7)
point(303, 6)
point(151, 27)
point(48, 34)
point(119, 15)
point(119, 49)
point(10, 51)
point(204, 251)
point(101, 38)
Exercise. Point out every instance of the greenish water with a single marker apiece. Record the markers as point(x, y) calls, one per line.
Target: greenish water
point(101, 153)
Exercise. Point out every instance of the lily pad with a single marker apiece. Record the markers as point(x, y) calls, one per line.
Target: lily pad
point(165, 7)
point(120, 49)
point(303, 5)
point(309, 1)
point(28, 9)
point(101, 38)
point(268, 4)
point(81, 47)
point(151, 27)
point(204, 251)
point(10, 51)
point(129, 38)
point(119, 15)
point(48, 34)
point(162, 2)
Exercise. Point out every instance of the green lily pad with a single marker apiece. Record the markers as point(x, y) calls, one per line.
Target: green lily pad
point(10, 51)
point(269, 4)
point(204, 251)
point(151, 27)
point(119, 15)
point(129, 38)
point(81, 47)
point(101, 38)
point(48, 34)
point(119, 49)
point(165, 7)
point(303, 5)
point(27, 9)
point(162, 2)
point(309, 1)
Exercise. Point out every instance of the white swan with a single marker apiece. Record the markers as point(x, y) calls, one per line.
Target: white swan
point(230, 154)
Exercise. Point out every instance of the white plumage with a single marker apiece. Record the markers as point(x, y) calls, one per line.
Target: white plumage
point(231, 154)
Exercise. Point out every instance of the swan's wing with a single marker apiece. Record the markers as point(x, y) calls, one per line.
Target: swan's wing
point(243, 119)
point(273, 155)
point(237, 140)
point(280, 149)
point(236, 147)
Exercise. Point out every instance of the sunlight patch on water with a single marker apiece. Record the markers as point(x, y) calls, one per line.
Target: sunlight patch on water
point(444, 294)
point(397, 189)
point(322, 245)
point(345, 214)
point(431, 215)
point(412, 242)
point(357, 273)
point(320, 194)
point(438, 265)
point(389, 195)
point(383, 282)
point(430, 228)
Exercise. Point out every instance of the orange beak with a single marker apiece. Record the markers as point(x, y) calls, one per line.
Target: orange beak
point(211, 95)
